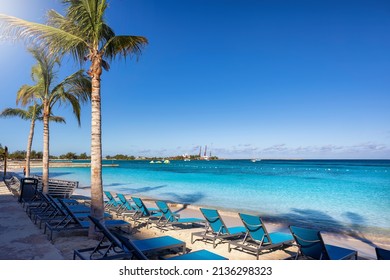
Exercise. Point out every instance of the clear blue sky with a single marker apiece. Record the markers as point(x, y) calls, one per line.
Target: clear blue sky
point(253, 78)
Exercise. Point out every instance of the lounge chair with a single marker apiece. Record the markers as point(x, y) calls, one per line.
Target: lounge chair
point(143, 211)
point(120, 247)
point(112, 203)
point(257, 238)
point(169, 218)
point(72, 222)
point(55, 211)
point(216, 228)
point(382, 254)
point(311, 246)
point(199, 255)
point(127, 208)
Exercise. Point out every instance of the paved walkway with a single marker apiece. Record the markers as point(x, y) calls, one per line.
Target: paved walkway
point(20, 239)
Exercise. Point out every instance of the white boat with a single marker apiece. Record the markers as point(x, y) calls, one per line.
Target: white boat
point(255, 159)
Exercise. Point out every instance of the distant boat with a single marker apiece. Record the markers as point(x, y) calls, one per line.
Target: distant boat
point(151, 161)
point(187, 159)
point(166, 161)
point(255, 159)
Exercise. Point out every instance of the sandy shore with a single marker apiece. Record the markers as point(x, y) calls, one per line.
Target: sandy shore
point(67, 242)
point(363, 244)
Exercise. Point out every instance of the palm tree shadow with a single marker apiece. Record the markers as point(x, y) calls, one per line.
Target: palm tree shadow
point(126, 190)
point(323, 222)
point(185, 199)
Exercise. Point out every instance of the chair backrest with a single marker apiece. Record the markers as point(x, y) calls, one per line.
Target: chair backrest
point(54, 203)
point(382, 254)
point(111, 199)
point(255, 228)
point(310, 243)
point(106, 232)
point(130, 247)
point(124, 201)
point(167, 212)
point(141, 206)
point(59, 188)
point(69, 212)
point(215, 221)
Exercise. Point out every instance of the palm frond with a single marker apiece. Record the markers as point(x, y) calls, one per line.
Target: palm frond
point(28, 94)
point(59, 41)
point(74, 102)
point(124, 46)
point(57, 119)
point(16, 112)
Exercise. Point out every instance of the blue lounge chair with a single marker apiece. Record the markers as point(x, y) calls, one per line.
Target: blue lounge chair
point(72, 222)
point(143, 211)
point(126, 207)
point(199, 255)
point(257, 238)
point(169, 218)
point(112, 203)
point(115, 246)
point(312, 246)
point(216, 228)
point(382, 254)
point(57, 213)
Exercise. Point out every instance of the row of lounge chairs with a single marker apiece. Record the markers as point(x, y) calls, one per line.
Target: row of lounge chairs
point(64, 214)
point(116, 246)
point(60, 214)
point(253, 237)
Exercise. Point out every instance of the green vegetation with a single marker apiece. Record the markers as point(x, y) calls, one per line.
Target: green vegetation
point(83, 33)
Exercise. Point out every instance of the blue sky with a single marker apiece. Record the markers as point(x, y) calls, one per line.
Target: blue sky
point(253, 78)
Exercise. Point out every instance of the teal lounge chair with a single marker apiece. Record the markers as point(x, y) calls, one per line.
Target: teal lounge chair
point(116, 246)
point(169, 218)
point(127, 206)
point(112, 203)
point(143, 211)
point(199, 255)
point(257, 238)
point(72, 222)
point(216, 228)
point(382, 254)
point(312, 246)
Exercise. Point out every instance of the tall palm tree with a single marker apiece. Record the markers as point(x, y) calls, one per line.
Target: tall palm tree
point(84, 34)
point(74, 89)
point(32, 113)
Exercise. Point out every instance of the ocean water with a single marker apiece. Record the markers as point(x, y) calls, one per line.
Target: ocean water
point(340, 195)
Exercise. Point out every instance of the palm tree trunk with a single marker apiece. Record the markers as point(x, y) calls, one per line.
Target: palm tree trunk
point(97, 203)
point(45, 159)
point(29, 145)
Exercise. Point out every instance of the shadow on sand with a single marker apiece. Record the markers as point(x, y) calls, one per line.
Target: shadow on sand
point(186, 199)
point(321, 221)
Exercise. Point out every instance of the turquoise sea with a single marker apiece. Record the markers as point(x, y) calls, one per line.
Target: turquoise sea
point(341, 195)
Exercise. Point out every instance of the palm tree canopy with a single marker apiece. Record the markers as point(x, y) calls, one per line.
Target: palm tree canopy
point(82, 32)
point(33, 111)
point(74, 89)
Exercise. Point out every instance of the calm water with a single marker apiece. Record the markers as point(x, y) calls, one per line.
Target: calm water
point(330, 194)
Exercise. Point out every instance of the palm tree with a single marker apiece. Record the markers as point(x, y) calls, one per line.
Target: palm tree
point(33, 113)
point(74, 89)
point(84, 34)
